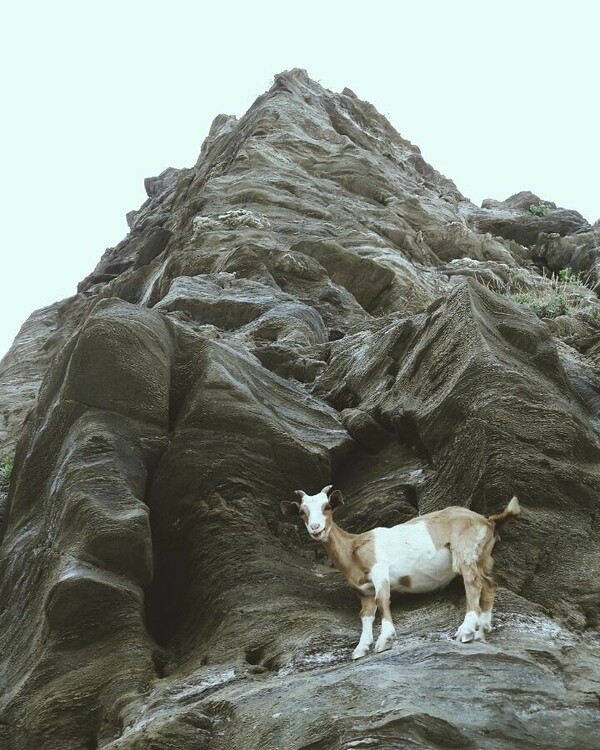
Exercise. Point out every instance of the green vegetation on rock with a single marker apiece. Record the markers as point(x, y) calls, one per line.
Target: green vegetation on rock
point(539, 209)
point(545, 305)
point(556, 295)
point(567, 276)
point(5, 469)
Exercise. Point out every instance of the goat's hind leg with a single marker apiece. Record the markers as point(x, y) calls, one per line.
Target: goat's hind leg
point(367, 616)
point(471, 630)
point(472, 558)
point(488, 594)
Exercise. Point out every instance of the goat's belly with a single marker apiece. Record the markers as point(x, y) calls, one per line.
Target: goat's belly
point(428, 573)
point(415, 564)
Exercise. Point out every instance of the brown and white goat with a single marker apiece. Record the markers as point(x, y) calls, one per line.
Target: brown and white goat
point(421, 555)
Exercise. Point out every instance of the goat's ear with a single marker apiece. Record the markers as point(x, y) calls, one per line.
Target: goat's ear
point(336, 499)
point(327, 489)
point(289, 508)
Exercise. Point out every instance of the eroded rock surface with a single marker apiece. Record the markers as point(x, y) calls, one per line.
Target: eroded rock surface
point(523, 216)
point(311, 303)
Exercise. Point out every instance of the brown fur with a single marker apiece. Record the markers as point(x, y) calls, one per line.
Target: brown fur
point(369, 605)
point(471, 538)
point(499, 519)
point(452, 526)
point(352, 554)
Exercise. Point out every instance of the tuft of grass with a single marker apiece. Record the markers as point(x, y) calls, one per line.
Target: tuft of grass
point(544, 303)
point(568, 277)
point(6, 469)
point(565, 293)
point(539, 209)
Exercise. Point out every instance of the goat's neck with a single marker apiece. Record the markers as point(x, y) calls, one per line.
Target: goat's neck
point(339, 547)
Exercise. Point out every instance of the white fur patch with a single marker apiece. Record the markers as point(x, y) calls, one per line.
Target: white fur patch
point(469, 630)
point(386, 637)
point(366, 637)
point(316, 521)
point(485, 621)
point(408, 550)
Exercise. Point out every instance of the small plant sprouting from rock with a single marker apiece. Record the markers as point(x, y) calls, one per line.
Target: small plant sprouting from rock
point(555, 296)
point(5, 469)
point(568, 277)
point(548, 305)
point(539, 209)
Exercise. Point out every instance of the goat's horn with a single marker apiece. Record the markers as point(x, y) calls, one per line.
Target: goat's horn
point(326, 489)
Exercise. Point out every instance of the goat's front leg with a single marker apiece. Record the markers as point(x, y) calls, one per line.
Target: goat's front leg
point(380, 577)
point(367, 616)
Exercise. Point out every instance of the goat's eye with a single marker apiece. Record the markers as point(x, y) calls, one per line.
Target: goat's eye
point(327, 507)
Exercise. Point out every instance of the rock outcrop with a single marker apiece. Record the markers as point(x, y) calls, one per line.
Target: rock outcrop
point(523, 216)
point(311, 303)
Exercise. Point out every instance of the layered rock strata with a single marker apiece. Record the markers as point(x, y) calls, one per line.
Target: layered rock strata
point(310, 303)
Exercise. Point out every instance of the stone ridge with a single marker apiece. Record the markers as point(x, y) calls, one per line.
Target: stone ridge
point(311, 303)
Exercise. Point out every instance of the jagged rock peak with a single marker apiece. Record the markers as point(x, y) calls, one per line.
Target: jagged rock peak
point(296, 105)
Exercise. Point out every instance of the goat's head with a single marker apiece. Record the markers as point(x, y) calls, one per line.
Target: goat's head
point(315, 510)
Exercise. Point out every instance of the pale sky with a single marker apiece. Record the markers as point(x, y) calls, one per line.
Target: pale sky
point(500, 97)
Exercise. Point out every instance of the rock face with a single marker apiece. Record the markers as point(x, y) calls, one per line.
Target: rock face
point(523, 216)
point(311, 303)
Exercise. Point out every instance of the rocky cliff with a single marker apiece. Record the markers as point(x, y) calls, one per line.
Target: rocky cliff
point(310, 303)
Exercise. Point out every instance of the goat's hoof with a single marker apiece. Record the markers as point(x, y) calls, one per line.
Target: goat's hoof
point(485, 623)
point(468, 635)
point(384, 644)
point(465, 635)
point(360, 651)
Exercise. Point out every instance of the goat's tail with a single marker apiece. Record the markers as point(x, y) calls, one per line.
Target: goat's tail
point(499, 519)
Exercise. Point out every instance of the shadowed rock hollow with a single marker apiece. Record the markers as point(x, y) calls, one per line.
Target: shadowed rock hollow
point(311, 303)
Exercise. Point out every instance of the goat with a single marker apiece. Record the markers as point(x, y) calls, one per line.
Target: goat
point(417, 556)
